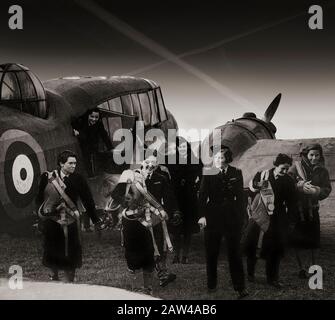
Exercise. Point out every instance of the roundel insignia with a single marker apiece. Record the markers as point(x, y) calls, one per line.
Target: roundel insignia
point(22, 162)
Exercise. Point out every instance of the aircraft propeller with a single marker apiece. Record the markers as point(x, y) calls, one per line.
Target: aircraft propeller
point(272, 108)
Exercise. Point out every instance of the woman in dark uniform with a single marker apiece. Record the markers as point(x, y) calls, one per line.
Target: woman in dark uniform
point(185, 177)
point(63, 250)
point(90, 131)
point(313, 185)
point(221, 212)
point(273, 243)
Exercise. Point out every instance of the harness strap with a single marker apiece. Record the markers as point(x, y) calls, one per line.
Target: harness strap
point(156, 251)
point(159, 211)
point(267, 194)
point(267, 197)
point(121, 236)
point(265, 175)
point(167, 236)
point(74, 213)
point(301, 172)
point(66, 198)
point(260, 243)
point(66, 236)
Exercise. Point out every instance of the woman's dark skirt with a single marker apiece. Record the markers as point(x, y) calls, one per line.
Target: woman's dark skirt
point(274, 240)
point(306, 234)
point(54, 246)
point(139, 251)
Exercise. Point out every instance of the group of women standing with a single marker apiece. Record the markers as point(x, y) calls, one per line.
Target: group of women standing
point(296, 188)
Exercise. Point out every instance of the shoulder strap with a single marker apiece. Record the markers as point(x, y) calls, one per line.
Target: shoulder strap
point(148, 196)
point(159, 209)
point(300, 170)
point(265, 175)
point(267, 194)
point(66, 198)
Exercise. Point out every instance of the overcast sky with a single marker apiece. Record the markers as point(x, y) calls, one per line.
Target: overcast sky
point(224, 59)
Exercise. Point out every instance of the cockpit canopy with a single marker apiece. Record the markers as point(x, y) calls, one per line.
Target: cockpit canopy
point(20, 89)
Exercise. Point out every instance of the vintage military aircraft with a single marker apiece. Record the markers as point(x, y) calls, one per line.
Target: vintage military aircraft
point(254, 144)
point(35, 126)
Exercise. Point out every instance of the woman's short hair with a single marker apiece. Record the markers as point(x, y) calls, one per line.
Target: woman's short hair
point(90, 111)
point(95, 109)
point(63, 156)
point(225, 150)
point(282, 158)
point(313, 146)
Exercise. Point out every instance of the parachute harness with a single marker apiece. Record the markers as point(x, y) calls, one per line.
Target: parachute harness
point(149, 213)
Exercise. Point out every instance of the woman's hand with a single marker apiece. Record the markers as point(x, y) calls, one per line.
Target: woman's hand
point(309, 188)
point(262, 184)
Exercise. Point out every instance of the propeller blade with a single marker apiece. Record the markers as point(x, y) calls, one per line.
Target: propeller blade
point(272, 108)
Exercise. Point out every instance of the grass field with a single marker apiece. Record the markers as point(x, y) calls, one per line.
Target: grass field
point(104, 264)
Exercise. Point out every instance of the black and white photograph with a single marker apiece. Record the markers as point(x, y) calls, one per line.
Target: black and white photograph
point(167, 150)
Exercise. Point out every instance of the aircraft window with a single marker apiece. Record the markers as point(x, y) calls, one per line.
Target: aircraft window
point(112, 124)
point(153, 106)
point(20, 89)
point(104, 105)
point(145, 107)
point(161, 106)
point(27, 87)
point(40, 94)
point(137, 107)
point(127, 105)
point(10, 89)
point(115, 105)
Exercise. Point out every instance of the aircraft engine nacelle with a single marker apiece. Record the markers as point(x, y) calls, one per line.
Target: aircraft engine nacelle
point(241, 134)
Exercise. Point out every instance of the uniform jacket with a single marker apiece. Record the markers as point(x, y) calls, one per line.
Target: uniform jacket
point(285, 200)
point(221, 200)
point(159, 186)
point(285, 197)
point(76, 188)
point(89, 136)
point(185, 180)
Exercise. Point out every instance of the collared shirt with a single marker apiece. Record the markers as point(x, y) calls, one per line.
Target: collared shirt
point(223, 170)
point(149, 176)
point(63, 175)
